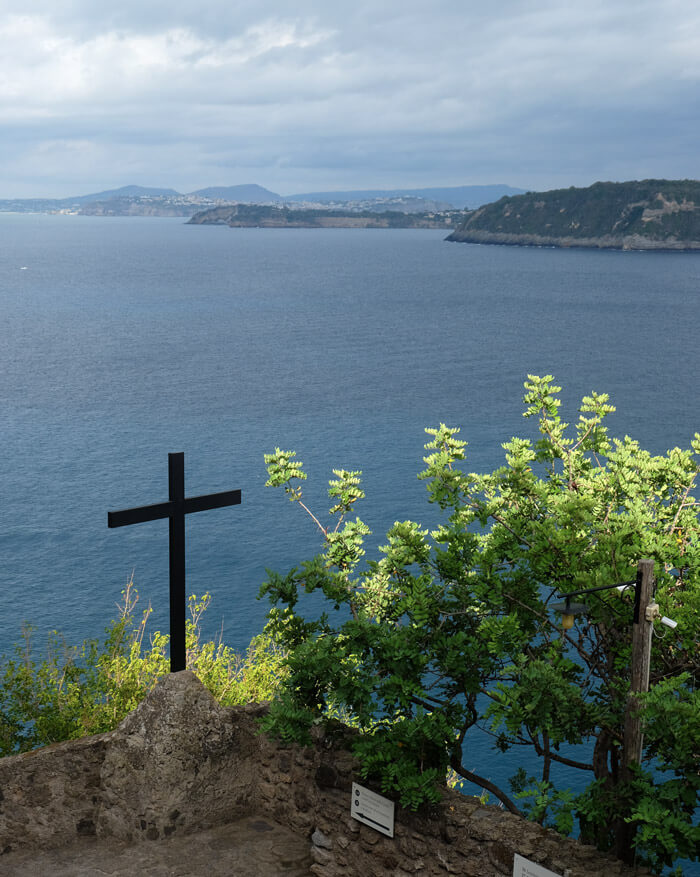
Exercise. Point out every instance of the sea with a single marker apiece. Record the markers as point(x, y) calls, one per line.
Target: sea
point(127, 338)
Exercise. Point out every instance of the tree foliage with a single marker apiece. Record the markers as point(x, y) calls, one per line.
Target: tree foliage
point(450, 630)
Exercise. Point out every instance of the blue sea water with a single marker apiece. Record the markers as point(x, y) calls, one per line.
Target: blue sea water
point(124, 339)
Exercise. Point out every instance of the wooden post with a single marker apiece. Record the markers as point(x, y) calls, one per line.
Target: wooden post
point(641, 661)
point(639, 683)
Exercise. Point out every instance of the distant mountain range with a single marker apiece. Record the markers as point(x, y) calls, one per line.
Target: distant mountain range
point(636, 215)
point(123, 192)
point(246, 194)
point(144, 200)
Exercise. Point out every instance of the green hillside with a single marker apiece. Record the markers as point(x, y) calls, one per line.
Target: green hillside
point(650, 214)
point(266, 216)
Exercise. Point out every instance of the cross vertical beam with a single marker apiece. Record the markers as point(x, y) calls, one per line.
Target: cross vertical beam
point(175, 510)
point(178, 599)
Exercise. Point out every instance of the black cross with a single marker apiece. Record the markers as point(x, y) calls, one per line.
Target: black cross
point(175, 509)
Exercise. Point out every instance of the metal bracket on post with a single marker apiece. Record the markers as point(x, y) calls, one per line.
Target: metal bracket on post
point(652, 612)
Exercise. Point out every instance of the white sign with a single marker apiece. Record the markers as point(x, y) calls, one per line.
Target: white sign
point(372, 809)
point(523, 868)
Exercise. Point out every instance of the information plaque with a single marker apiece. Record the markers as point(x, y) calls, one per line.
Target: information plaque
point(372, 809)
point(523, 868)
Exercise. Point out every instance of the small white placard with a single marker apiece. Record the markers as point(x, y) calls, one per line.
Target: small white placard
point(523, 868)
point(372, 809)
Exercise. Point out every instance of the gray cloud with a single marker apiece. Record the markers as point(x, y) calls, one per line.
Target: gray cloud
point(318, 96)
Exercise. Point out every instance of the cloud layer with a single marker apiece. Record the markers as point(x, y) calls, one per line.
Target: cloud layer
point(315, 96)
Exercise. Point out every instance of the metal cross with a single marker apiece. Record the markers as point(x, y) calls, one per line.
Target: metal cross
point(175, 509)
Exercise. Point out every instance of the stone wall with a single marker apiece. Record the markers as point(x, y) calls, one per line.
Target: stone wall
point(182, 763)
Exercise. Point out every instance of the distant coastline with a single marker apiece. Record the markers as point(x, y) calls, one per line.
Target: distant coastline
point(646, 215)
point(630, 242)
point(149, 201)
point(261, 216)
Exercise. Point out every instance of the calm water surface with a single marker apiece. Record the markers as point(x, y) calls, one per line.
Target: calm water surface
point(124, 339)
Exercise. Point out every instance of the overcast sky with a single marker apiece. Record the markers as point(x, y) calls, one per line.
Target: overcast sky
point(318, 95)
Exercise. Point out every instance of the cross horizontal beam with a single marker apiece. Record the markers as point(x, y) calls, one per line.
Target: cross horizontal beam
point(124, 517)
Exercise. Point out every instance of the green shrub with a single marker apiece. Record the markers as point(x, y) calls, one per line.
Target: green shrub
point(78, 690)
point(445, 633)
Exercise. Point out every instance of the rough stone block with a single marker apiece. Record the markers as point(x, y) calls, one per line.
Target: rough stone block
point(178, 751)
point(319, 839)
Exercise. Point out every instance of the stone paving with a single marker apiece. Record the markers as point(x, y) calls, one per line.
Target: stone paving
point(252, 847)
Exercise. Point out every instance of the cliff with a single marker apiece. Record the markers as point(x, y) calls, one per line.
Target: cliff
point(646, 215)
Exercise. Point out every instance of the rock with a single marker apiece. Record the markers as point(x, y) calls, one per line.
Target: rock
point(319, 839)
point(170, 764)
